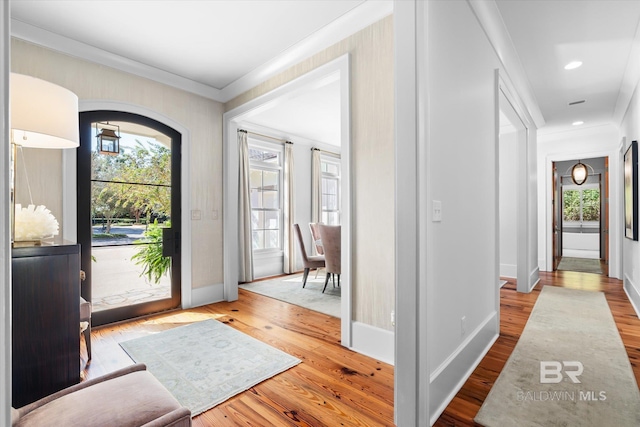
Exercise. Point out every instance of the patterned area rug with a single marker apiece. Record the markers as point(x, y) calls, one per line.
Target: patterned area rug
point(206, 363)
point(569, 368)
point(289, 289)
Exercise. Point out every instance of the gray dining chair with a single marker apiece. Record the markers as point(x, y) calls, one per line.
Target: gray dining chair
point(308, 262)
point(331, 236)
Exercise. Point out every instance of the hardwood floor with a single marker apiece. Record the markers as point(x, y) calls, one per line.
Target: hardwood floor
point(515, 309)
point(332, 387)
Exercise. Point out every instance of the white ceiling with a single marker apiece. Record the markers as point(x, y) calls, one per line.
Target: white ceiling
point(549, 34)
point(221, 48)
point(312, 114)
point(210, 42)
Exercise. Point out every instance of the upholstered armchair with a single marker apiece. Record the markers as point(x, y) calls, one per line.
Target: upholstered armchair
point(308, 262)
point(129, 397)
point(331, 243)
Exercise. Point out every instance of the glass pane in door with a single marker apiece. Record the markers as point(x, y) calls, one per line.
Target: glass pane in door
point(130, 205)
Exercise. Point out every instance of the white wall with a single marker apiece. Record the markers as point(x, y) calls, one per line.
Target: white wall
point(508, 205)
point(456, 125)
point(598, 141)
point(462, 120)
point(5, 240)
point(630, 131)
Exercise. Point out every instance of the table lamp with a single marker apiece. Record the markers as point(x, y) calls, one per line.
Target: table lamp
point(43, 115)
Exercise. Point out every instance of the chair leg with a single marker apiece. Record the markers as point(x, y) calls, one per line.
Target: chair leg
point(338, 280)
point(304, 278)
point(333, 277)
point(326, 281)
point(87, 340)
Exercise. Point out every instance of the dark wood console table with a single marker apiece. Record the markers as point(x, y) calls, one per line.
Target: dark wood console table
point(45, 320)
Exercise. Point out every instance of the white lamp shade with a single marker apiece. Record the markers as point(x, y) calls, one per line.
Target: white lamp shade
point(43, 115)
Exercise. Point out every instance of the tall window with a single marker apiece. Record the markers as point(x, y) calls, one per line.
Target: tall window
point(581, 204)
point(265, 182)
point(330, 190)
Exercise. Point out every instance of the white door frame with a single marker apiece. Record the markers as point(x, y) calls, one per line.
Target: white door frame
point(508, 105)
point(314, 78)
point(69, 196)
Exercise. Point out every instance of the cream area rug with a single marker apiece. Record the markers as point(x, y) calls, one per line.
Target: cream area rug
point(289, 289)
point(206, 363)
point(569, 368)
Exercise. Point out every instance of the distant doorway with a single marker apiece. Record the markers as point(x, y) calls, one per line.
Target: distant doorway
point(581, 212)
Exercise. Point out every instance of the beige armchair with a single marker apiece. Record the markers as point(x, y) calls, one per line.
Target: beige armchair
point(129, 397)
point(331, 241)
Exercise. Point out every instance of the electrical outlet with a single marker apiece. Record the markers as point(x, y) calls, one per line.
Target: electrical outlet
point(463, 326)
point(214, 215)
point(196, 215)
point(393, 318)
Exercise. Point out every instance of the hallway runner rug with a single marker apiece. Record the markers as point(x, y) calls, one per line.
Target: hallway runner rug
point(205, 363)
point(569, 368)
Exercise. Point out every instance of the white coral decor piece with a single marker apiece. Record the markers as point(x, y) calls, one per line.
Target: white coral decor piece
point(34, 223)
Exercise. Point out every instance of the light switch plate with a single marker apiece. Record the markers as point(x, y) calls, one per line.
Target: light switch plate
point(196, 215)
point(437, 210)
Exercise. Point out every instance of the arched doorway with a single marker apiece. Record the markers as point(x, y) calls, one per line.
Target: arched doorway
point(128, 215)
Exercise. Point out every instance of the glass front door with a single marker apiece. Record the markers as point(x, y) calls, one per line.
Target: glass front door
point(128, 215)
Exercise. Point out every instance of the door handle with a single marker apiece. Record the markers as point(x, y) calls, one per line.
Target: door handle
point(170, 242)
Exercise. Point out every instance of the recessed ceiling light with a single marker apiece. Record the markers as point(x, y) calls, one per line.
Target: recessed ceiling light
point(578, 123)
point(573, 65)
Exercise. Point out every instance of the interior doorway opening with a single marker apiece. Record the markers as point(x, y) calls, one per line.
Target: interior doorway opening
point(581, 217)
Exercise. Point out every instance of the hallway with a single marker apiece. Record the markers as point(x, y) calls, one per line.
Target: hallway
point(515, 310)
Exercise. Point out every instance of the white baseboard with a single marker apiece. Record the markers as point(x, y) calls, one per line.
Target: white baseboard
point(206, 295)
point(534, 278)
point(632, 294)
point(373, 342)
point(509, 270)
point(449, 378)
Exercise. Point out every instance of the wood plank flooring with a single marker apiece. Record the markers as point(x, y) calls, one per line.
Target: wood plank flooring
point(332, 387)
point(515, 309)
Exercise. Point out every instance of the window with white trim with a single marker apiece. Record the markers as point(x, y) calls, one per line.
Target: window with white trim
point(265, 181)
point(330, 167)
point(581, 204)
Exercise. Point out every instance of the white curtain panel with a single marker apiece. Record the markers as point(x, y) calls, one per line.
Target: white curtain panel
point(244, 212)
point(316, 186)
point(289, 247)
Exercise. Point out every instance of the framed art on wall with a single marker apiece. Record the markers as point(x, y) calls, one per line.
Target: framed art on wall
point(631, 191)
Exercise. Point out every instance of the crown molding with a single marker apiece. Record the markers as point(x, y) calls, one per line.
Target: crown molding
point(630, 80)
point(351, 22)
point(71, 47)
point(491, 21)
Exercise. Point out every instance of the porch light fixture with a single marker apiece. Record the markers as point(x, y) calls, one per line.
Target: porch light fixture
point(108, 136)
point(579, 173)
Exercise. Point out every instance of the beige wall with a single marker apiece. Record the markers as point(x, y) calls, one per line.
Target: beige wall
point(201, 116)
point(372, 132)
